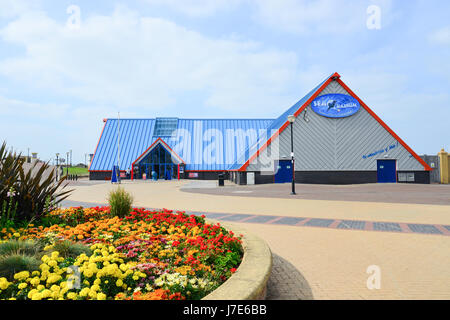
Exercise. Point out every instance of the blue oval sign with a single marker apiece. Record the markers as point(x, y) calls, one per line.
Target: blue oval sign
point(335, 105)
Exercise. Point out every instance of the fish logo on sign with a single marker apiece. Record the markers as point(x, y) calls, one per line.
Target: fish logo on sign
point(335, 105)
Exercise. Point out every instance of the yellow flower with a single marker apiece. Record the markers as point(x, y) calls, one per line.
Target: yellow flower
point(31, 293)
point(88, 273)
point(52, 263)
point(84, 292)
point(46, 293)
point(71, 295)
point(123, 267)
point(55, 288)
point(119, 283)
point(4, 284)
point(23, 285)
point(93, 294)
point(53, 278)
point(101, 296)
point(95, 287)
point(22, 275)
point(36, 296)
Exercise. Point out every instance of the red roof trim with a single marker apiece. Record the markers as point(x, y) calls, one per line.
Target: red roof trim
point(206, 170)
point(98, 142)
point(285, 125)
point(421, 161)
point(336, 76)
point(153, 144)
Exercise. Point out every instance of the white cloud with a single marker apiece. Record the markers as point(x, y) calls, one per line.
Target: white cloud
point(319, 16)
point(12, 8)
point(32, 110)
point(441, 36)
point(197, 8)
point(130, 61)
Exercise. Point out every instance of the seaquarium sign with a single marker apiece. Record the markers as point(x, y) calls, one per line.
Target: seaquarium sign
point(335, 105)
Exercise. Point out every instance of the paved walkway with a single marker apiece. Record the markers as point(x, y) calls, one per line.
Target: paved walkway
point(434, 194)
point(436, 229)
point(322, 249)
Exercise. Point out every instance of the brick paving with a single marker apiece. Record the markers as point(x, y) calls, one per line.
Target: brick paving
point(436, 194)
point(286, 282)
point(309, 222)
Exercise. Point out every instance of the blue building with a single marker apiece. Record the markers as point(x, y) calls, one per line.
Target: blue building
point(336, 138)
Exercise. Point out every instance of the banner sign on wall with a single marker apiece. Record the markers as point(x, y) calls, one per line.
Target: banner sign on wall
point(335, 105)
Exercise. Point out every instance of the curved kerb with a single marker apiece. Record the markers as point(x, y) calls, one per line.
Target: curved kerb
point(249, 282)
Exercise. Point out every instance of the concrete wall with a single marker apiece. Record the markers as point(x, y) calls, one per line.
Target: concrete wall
point(444, 161)
point(331, 144)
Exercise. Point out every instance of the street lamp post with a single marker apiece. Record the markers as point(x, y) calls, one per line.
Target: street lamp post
point(291, 119)
point(67, 164)
point(57, 167)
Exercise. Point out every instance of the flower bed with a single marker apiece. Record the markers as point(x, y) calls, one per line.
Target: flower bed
point(148, 255)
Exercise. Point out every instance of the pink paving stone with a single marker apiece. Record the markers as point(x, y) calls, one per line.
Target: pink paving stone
point(248, 218)
point(335, 224)
point(273, 220)
point(369, 226)
point(405, 228)
point(444, 231)
point(301, 223)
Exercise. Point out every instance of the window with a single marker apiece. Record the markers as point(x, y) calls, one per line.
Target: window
point(164, 127)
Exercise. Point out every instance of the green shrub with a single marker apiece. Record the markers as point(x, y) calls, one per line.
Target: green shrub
point(69, 249)
point(12, 247)
point(120, 202)
point(11, 264)
point(25, 196)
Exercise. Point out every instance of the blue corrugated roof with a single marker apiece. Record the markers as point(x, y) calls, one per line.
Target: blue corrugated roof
point(203, 144)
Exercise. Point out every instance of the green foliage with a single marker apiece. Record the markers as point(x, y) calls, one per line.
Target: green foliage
point(230, 260)
point(69, 249)
point(19, 255)
point(120, 202)
point(18, 247)
point(28, 195)
point(14, 263)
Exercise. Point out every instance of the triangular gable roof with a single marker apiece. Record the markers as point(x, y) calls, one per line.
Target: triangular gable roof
point(152, 146)
point(275, 125)
point(282, 123)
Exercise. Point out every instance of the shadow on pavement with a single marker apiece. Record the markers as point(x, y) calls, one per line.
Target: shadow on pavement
point(286, 282)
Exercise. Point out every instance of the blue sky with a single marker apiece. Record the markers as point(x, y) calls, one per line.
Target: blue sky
point(215, 58)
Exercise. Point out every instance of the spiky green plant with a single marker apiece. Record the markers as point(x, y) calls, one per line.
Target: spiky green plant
point(10, 247)
point(69, 249)
point(33, 190)
point(120, 202)
point(14, 263)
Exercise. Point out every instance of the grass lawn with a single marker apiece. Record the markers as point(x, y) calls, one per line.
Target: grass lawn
point(77, 170)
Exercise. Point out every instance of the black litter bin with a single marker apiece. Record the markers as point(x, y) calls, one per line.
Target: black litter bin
point(221, 177)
